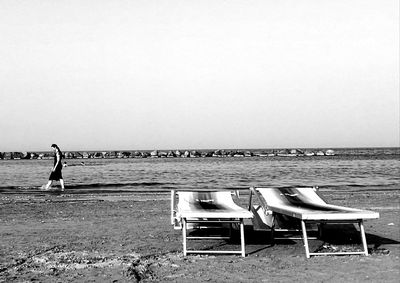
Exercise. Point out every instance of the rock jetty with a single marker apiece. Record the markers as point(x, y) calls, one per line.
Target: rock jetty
point(219, 153)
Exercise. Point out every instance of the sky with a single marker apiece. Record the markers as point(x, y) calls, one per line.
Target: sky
point(206, 74)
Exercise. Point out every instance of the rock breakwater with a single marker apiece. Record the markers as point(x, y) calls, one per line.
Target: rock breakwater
point(168, 154)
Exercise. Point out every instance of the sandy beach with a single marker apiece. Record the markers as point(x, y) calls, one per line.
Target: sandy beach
point(51, 237)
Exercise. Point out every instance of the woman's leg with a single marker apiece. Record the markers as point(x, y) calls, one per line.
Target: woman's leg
point(62, 184)
point(48, 184)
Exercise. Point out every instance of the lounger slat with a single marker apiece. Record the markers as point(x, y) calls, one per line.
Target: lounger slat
point(338, 253)
point(212, 252)
point(209, 238)
point(332, 213)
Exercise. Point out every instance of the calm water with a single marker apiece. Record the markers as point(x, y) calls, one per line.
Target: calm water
point(350, 169)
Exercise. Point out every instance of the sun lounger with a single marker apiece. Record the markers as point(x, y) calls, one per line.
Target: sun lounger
point(200, 209)
point(306, 206)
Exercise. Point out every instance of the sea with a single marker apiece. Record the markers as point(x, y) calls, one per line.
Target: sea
point(349, 169)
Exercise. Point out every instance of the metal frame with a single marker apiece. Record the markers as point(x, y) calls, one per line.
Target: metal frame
point(303, 222)
point(185, 236)
point(181, 222)
point(362, 235)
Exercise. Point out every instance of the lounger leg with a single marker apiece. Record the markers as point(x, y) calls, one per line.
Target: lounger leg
point(250, 199)
point(320, 227)
point(184, 229)
point(305, 239)
point(363, 239)
point(272, 236)
point(242, 237)
point(173, 196)
point(273, 230)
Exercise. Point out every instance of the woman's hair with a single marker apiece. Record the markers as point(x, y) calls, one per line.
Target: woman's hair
point(58, 149)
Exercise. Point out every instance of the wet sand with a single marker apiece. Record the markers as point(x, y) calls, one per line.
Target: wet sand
point(52, 237)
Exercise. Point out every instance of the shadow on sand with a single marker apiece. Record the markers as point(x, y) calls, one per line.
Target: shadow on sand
point(337, 237)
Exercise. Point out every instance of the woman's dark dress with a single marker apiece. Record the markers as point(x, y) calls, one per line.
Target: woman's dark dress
point(56, 174)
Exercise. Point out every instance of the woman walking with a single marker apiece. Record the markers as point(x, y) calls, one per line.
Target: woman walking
point(56, 174)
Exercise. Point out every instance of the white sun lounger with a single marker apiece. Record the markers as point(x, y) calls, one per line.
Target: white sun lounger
point(199, 209)
point(307, 206)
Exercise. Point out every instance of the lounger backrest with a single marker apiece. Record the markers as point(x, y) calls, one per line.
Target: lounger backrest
point(291, 196)
point(204, 199)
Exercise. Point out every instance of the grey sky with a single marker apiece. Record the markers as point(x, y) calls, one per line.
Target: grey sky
point(198, 74)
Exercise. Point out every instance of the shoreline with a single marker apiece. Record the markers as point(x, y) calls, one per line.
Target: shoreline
point(129, 189)
point(123, 238)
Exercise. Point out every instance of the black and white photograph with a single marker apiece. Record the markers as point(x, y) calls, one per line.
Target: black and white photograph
point(199, 141)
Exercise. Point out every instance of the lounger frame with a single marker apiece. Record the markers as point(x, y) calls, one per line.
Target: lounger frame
point(323, 219)
point(182, 220)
